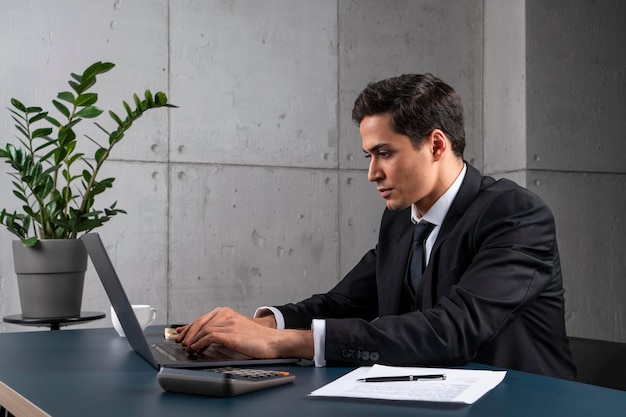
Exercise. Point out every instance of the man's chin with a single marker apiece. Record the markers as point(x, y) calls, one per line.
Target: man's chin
point(396, 205)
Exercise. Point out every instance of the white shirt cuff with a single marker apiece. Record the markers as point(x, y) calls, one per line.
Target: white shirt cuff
point(280, 320)
point(319, 342)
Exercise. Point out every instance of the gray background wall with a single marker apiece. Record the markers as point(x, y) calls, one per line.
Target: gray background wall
point(254, 191)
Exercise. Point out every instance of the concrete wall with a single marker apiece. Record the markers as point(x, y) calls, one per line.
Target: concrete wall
point(254, 191)
point(576, 108)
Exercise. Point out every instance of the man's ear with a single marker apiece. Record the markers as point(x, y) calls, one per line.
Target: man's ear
point(438, 143)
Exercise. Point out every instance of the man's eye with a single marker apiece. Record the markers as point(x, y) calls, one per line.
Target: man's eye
point(384, 154)
point(367, 156)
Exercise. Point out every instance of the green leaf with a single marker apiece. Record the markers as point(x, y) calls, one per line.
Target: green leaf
point(70, 147)
point(101, 155)
point(89, 112)
point(20, 196)
point(75, 86)
point(38, 117)
point(18, 115)
point(30, 242)
point(53, 121)
point(48, 155)
point(66, 96)
point(33, 109)
point(101, 128)
point(116, 118)
point(19, 120)
point(52, 208)
point(97, 68)
point(86, 99)
point(149, 98)
point(22, 131)
point(44, 131)
point(86, 84)
point(108, 182)
point(50, 170)
point(61, 108)
point(18, 105)
point(45, 188)
point(66, 176)
point(129, 111)
point(160, 98)
point(59, 155)
point(73, 123)
point(140, 105)
point(88, 225)
point(66, 135)
point(74, 157)
point(89, 164)
point(115, 137)
point(99, 188)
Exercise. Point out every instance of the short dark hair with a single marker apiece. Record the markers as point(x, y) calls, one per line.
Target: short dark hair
point(418, 104)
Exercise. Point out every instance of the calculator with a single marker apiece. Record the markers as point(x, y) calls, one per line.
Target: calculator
point(220, 382)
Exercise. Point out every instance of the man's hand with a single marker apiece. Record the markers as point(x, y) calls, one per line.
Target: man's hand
point(257, 338)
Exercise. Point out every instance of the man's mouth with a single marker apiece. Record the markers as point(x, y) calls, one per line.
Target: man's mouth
point(384, 192)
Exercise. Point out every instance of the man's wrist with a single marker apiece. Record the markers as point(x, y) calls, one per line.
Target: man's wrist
point(267, 319)
point(296, 343)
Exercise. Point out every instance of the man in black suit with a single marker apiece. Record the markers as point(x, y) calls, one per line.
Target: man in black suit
point(491, 290)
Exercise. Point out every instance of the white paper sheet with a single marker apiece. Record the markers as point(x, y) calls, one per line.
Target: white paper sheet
point(460, 386)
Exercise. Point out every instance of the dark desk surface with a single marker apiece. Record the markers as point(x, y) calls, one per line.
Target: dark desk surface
point(93, 372)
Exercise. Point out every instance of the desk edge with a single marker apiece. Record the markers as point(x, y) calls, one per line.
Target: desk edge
point(17, 404)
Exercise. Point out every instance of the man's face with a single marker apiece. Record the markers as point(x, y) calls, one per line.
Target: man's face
point(403, 175)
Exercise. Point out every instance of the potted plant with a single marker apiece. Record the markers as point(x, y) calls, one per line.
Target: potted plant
point(56, 185)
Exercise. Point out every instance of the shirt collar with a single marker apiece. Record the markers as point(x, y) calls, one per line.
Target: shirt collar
point(437, 213)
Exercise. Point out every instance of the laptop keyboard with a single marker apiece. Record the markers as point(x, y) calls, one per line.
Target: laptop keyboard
point(172, 352)
point(176, 352)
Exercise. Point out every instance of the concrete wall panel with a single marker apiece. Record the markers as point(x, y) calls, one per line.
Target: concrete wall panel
point(577, 85)
point(504, 143)
point(250, 236)
point(256, 81)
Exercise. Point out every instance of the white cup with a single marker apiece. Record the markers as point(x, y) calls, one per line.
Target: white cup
point(145, 316)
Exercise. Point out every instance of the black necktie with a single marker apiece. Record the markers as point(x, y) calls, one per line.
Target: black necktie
point(420, 234)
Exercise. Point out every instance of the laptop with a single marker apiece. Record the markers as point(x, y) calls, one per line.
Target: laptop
point(165, 353)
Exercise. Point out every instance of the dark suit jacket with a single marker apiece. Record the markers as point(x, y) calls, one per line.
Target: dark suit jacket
point(492, 291)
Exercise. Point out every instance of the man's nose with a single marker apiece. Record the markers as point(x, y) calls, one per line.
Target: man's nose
point(374, 173)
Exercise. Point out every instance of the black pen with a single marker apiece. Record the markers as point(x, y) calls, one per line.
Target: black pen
point(402, 378)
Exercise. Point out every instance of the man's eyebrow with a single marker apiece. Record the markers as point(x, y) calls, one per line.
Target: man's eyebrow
point(376, 147)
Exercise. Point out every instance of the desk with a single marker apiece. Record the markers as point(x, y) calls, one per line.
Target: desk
point(93, 372)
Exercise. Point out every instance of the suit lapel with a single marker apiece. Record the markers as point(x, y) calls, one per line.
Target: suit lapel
point(393, 264)
point(467, 194)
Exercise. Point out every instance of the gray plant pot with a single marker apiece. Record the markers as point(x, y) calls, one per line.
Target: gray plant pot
point(50, 277)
